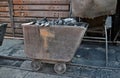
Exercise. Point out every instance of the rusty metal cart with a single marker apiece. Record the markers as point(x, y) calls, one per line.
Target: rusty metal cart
point(3, 27)
point(54, 44)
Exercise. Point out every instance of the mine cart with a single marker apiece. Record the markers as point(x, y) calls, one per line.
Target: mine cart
point(2, 32)
point(54, 44)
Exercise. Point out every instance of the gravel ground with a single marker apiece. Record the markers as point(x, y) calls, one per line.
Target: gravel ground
point(88, 54)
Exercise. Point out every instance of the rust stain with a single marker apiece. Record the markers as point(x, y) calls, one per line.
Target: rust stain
point(17, 1)
point(45, 33)
point(21, 13)
point(4, 9)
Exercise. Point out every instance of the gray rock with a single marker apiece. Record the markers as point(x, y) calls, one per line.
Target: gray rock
point(20, 53)
point(26, 65)
point(78, 56)
point(42, 75)
point(12, 73)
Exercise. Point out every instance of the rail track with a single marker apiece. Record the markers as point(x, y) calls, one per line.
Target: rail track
point(13, 58)
point(73, 66)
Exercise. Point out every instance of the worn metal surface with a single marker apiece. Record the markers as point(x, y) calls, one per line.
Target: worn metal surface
point(41, 13)
point(4, 9)
point(11, 15)
point(41, 7)
point(15, 12)
point(17, 30)
point(3, 3)
point(93, 8)
point(2, 32)
point(56, 44)
point(25, 10)
point(3, 19)
point(4, 14)
point(19, 20)
point(41, 1)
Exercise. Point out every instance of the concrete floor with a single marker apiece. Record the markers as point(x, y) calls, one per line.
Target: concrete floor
point(15, 48)
point(88, 53)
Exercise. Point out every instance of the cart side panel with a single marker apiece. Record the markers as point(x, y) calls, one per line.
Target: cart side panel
point(52, 43)
point(63, 44)
point(32, 41)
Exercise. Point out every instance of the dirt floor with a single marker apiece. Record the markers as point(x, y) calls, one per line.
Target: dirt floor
point(88, 54)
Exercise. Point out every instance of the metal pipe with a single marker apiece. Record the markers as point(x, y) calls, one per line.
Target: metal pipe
point(17, 38)
point(100, 41)
point(98, 38)
point(106, 44)
point(14, 58)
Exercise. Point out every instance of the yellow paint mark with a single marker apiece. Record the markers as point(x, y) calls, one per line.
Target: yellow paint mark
point(45, 35)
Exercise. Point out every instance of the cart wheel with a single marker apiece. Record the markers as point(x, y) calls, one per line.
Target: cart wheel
point(36, 65)
point(60, 68)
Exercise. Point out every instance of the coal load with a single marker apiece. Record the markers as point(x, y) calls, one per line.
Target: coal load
point(58, 22)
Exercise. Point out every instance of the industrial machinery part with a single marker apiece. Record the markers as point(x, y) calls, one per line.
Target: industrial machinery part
point(93, 8)
point(55, 44)
point(2, 32)
point(36, 65)
point(60, 68)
